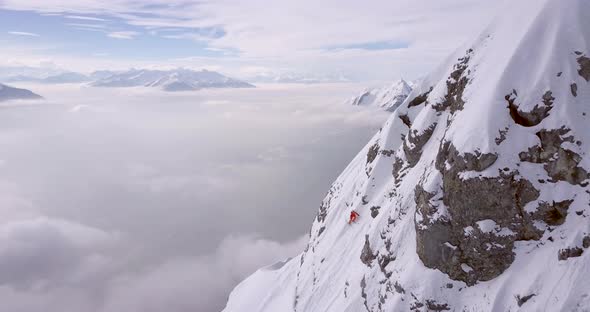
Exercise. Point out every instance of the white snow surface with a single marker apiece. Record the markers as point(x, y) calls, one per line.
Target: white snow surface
point(388, 97)
point(524, 50)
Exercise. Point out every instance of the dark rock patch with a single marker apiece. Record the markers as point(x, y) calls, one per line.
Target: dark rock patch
point(383, 261)
point(346, 289)
point(574, 89)
point(398, 165)
point(560, 164)
point(559, 74)
point(420, 98)
point(502, 136)
point(406, 120)
point(432, 305)
point(364, 294)
point(442, 242)
point(534, 117)
point(567, 253)
point(554, 213)
point(364, 200)
point(375, 211)
point(323, 211)
point(416, 306)
point(456, 84)
point(373, 152)
point(387, 153)
point(522, 300)
point(475, 161)
point(398, 288)
point(584, 70)
point(322, 229)
point(586, 241)
point(367, 255)
point(416, 141)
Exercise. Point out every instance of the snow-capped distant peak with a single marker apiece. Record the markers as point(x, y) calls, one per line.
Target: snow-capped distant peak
point(389, 97)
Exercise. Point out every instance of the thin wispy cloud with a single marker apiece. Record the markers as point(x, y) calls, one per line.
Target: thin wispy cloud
point(189, 36)
point(23, 33)
point(127, 35)
point(86, 18)
point(89, 27)
point(86, 25)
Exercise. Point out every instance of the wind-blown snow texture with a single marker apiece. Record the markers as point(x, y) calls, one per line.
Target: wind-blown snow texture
point(389, 98)
point(479, 181)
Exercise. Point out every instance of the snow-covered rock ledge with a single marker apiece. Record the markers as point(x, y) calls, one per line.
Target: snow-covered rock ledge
point(475, 194)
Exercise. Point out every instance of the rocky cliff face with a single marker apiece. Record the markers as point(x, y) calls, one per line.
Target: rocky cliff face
point(475, 194)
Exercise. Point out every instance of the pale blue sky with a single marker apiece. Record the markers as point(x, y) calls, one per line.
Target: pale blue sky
point(369, 40)
point(89, 35)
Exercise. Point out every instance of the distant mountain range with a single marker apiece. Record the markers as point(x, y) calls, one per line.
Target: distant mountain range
point(168, 80)
point(67, 77)
point(10, 93)
point(291, 77)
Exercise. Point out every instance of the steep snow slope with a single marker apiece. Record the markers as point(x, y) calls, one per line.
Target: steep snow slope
point(171, 80)
point(474, 195)
point(389, 98)
point(10, 93)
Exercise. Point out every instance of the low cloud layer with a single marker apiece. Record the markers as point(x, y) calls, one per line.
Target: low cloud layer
point(174, 286)
point(135, 200)
point(57, 265)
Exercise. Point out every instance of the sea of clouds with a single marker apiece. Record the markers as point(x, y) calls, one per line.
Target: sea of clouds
point(138, 200)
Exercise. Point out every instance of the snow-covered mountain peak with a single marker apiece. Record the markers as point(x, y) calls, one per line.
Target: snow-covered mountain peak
point(389, 97)
point(473, 196)
point(400, 85)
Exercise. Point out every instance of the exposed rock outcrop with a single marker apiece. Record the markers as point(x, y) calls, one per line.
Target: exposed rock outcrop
point(560, 163)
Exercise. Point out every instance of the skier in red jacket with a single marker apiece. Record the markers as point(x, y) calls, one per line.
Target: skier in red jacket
point(353, 216)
